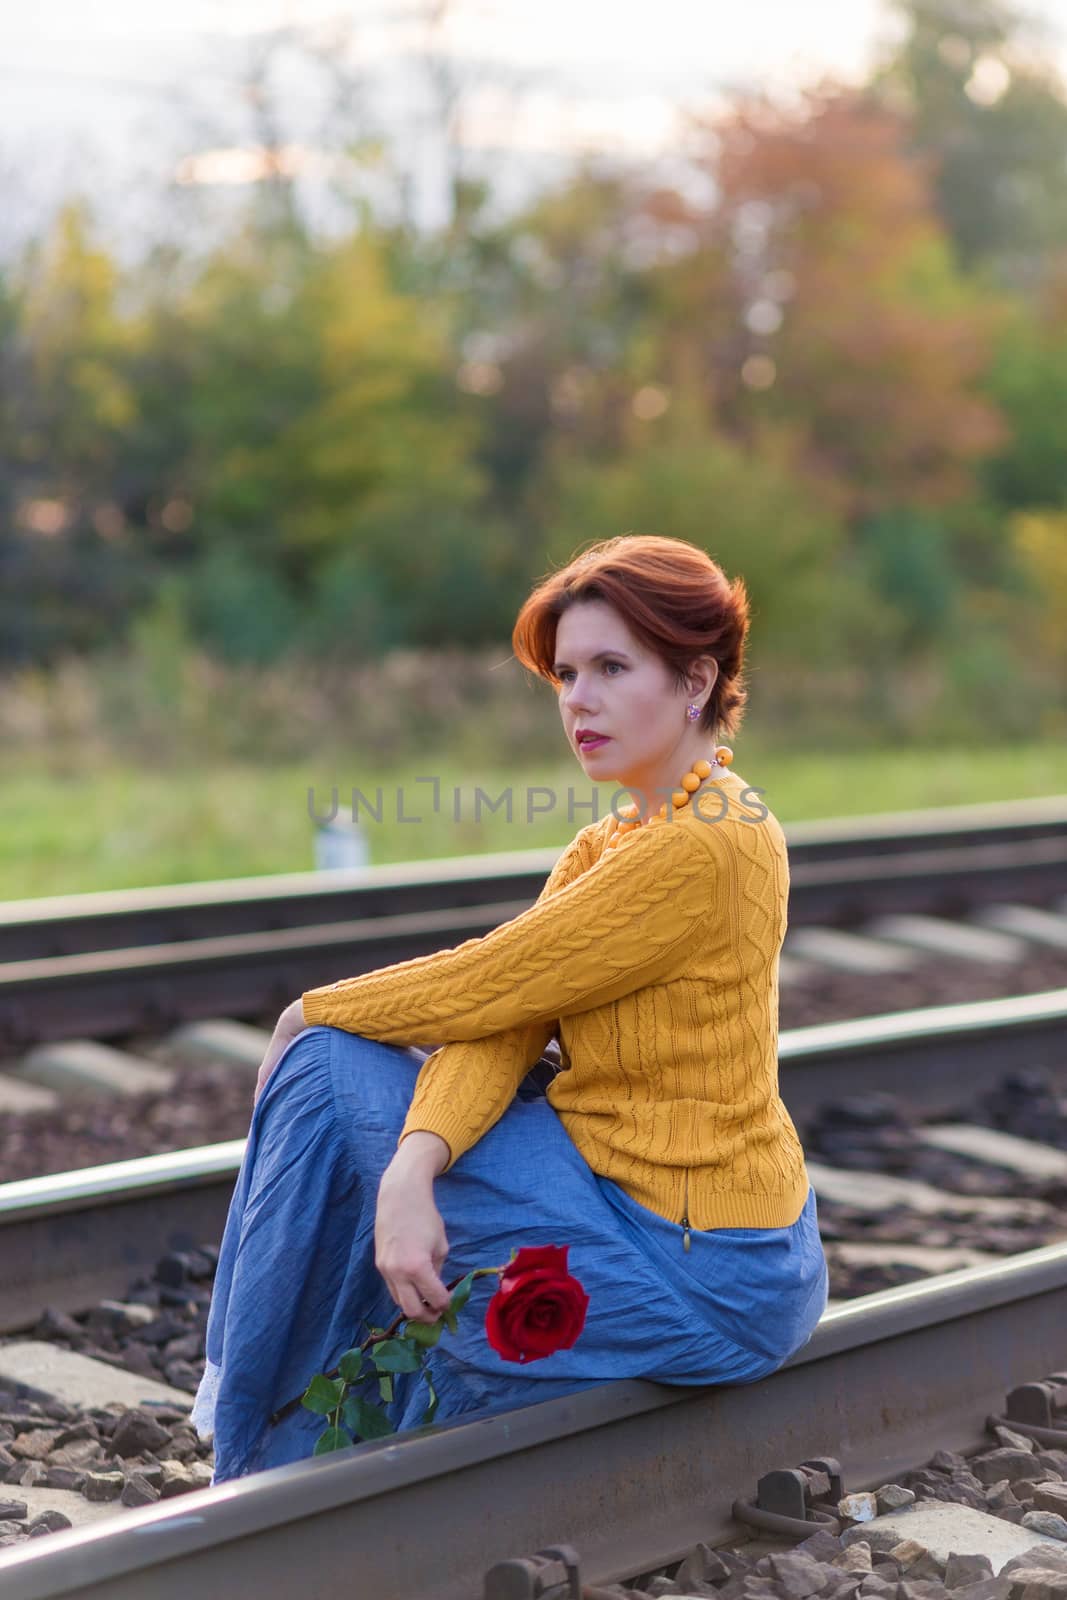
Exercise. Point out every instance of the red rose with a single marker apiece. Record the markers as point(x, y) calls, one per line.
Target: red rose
point(539, 1308)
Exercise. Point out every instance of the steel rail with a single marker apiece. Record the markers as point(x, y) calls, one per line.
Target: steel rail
point(109, 991)
point(73, 1239)
point(631, 1474)
point(69, 1240)
point(1021, 838)
point(114, 992)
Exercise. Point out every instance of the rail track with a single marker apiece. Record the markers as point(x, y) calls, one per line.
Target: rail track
point(880, 897)
point(883, 1381)
point(938, 1354)
point(75, 1237)
point(887, 1377)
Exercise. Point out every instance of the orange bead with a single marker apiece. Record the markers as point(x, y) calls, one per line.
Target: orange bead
point(654, 822)
point(628, 811)
point(627, 827)
point(690, 782)
point(724, 755)
point(679, 799)
point(702, 768)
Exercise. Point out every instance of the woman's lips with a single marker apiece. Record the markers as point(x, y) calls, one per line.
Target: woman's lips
point(592, 744)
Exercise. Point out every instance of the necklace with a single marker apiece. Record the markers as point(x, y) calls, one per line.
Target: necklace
point(680, 797)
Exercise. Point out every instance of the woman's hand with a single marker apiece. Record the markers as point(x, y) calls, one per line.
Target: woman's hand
point(410, 1246)
point(289, 1024)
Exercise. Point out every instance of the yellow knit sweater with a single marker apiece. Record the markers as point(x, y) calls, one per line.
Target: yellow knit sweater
point(656, 963)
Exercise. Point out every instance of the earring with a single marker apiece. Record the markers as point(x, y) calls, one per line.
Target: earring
point(693, 713)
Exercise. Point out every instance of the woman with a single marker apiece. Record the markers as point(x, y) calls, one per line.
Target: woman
point(661, 1155)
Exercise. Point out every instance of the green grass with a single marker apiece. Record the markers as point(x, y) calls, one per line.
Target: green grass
point(66, 832)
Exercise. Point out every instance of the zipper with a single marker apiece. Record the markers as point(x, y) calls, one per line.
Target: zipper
point(685, 1213)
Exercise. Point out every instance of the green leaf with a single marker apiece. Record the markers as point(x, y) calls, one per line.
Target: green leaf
point(350, 1365)
point(450, 1320)
point(424, 1334)
point(366, 1420)
point(385, 1388)
point(461, 1294)
point(322, 1395)
point(394, 1355)
point(431, 1410)
point(332, 1439)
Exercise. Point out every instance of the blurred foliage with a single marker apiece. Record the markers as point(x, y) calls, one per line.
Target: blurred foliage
point(1041, 540)
point(987, 118)
point(842, 371)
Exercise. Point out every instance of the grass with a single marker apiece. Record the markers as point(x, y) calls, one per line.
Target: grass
point(115, 826)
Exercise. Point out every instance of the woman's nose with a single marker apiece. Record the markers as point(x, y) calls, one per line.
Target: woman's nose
point(580, 698)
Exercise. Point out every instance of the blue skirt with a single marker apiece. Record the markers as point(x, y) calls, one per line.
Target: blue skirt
point(297, 1286)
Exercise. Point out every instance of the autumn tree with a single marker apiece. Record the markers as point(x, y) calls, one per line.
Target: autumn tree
point(838, 306)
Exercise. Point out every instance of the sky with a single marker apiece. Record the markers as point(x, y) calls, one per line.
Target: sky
point(119, 97)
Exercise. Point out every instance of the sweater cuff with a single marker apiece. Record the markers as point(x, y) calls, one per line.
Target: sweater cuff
point(314, 1004)
point(447, 1128)
point(417, 1127)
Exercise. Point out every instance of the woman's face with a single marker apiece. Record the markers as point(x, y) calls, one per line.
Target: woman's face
point(611, 685)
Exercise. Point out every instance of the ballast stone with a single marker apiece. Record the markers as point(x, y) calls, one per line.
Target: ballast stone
point(1049, 1522)
point(963, 1570)
point(861, 1507)
point(1038, 1583)
point(993, 1465)
point(945, 1529)
point(1039, 1573)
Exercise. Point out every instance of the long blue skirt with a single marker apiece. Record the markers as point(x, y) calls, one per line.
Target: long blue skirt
point(297, 1286)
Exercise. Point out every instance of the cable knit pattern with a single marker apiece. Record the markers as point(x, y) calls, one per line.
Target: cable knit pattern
point(657, 964)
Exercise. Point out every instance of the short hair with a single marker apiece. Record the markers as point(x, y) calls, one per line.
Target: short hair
point(674, 598)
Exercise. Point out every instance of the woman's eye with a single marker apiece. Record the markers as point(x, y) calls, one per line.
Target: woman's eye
point(567, 673)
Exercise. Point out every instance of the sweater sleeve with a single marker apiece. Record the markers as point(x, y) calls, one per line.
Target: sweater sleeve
point(622, 924)
point(466, 1086)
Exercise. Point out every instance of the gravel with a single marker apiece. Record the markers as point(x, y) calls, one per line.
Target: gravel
point(835, 996)
point(157, 1332)
point(874, 1133)
point(113, 1453)
point(205, 1106)
point(871, 1561)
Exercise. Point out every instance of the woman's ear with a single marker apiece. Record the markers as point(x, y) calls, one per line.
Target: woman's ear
point(703, 675)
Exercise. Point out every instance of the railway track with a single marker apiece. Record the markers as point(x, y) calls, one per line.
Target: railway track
point(78, 1236)
point(982, 887)
point(71, 1240)
point(936, 1355)
point(883, 1382)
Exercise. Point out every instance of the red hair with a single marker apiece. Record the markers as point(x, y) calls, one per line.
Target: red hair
point(674, 598)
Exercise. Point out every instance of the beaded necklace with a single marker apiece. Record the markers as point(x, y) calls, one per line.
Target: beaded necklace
point(680, 797)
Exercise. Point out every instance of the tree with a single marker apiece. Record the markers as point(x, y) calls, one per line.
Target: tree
point(1028, 380)
point(847, 317)
point(989, 115)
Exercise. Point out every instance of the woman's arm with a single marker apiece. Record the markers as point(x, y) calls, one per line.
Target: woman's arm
point(410, 1244)
point(289, 1024)
point(512, 1045)
point(613, 929)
